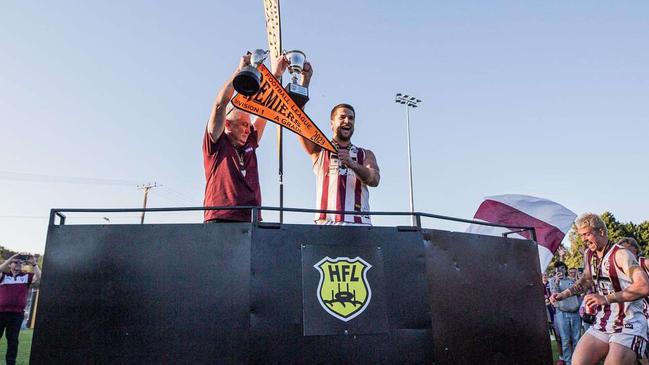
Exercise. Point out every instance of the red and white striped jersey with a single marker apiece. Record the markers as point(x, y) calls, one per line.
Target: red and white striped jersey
point(338, 188)
point(625, 317)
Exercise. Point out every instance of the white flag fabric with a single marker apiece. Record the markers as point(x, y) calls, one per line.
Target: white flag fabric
point(551, 220)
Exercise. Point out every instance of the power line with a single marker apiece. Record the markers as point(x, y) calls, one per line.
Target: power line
point(178, 196)
point(23, 217)
point(40, 178)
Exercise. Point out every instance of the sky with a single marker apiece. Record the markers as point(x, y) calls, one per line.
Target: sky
point(540, 98)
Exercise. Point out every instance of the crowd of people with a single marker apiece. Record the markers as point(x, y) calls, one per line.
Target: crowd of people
point(600, 311)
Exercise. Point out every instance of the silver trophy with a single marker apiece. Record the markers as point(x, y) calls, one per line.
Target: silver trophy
point(298, 93)
point(248, 80)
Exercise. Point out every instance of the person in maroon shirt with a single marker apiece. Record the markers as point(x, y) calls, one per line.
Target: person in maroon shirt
point(229, 156)
point(14, 287)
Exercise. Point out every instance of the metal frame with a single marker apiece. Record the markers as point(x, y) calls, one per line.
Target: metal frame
point(255, 209)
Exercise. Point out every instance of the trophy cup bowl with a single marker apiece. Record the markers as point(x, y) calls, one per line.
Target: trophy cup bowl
point(296, 61)
point(297, 92)
point(248, 80)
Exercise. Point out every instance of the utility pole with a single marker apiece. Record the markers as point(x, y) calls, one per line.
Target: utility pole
point(146, 188)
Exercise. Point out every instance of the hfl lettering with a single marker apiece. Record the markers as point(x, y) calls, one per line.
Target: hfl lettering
point(341, 272)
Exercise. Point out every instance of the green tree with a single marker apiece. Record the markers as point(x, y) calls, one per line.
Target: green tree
point(616, 230)
point(575, 257)
point(6, 253)
point(642, 235)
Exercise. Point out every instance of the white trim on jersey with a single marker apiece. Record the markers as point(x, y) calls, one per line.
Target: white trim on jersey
point(626, 317)
point(339, 188)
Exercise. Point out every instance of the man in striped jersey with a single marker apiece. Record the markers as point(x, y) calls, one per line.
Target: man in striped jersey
point(342, 178)
point(619, 333)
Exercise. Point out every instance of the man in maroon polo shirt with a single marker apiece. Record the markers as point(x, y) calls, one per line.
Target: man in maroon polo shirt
point(14, 287)
point(229, 156)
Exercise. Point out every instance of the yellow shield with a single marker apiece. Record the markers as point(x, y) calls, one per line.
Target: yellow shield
point(343, 290)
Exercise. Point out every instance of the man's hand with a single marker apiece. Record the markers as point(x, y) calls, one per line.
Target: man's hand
point(555, 297)
point(31, 260)
point(345, 160)
point(282, 64)
point(244, 61)
point(307, 72)
point(594, 300)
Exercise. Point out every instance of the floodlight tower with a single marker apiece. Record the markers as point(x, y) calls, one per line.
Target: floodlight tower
point(410, 102)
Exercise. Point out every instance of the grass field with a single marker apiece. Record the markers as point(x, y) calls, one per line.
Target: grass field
point(24, 348)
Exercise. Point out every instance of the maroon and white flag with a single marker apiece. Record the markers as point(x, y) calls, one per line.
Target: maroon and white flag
point(551, 220)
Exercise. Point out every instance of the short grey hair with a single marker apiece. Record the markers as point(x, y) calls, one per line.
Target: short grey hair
point(591, 220)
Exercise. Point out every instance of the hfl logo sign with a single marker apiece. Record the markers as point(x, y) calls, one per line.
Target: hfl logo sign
point(343, 291)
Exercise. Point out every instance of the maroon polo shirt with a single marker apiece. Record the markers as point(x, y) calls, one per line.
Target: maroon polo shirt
point(13, 291)
point(227, 184)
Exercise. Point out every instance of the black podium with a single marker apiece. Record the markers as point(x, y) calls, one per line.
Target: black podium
point(244, 293)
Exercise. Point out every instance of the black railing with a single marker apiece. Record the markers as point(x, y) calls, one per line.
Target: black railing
point(256, 209)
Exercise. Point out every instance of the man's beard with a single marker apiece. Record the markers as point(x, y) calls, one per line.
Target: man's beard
point(342, 138)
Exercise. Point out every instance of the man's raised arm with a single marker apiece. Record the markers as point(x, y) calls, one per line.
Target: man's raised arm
point(260, 123)
point(37, 271)
point(4, 267)
point(311, 148)
point(216, 123)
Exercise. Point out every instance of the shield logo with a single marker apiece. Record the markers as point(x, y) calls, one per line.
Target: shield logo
point(343, 291)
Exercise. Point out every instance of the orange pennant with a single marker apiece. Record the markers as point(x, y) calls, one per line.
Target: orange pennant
point(273, 103)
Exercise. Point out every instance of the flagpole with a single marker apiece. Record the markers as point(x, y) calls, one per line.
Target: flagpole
point(280, 156)
point(274, 32)
point(280, 129)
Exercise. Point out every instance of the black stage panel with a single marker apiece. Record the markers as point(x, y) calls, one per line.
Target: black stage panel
point(399, 298)
point(144, 294)
point(486, 300)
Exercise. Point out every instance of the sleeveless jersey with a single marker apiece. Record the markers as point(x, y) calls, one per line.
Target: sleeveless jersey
point(625, 317)
point(338, 188)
